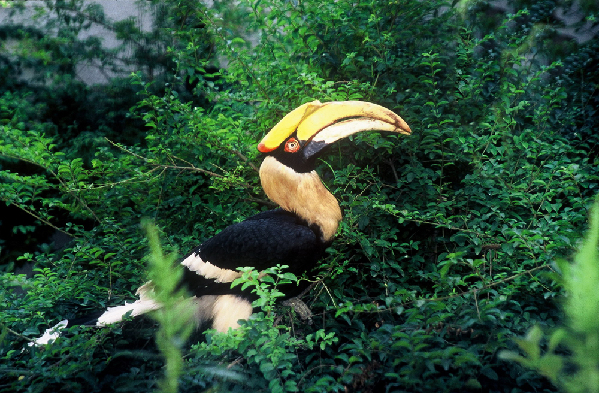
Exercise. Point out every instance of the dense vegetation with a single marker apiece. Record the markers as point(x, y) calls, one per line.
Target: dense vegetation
point(447, 248)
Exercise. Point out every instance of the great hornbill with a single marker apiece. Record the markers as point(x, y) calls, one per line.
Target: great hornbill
point(296, 234)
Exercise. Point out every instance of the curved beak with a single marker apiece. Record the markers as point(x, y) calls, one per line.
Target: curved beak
point(318, 125)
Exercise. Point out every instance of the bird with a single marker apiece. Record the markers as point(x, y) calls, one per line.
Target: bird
point(296, 234)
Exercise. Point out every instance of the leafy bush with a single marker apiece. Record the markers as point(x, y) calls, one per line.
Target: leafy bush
point(574, 367)
point(447, 238)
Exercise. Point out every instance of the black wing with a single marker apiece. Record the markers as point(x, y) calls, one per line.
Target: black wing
point(261, 241)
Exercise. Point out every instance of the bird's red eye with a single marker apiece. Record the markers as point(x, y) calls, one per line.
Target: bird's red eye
point(292, 145)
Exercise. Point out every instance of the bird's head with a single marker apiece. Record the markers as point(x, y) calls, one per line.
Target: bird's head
point(304, 132)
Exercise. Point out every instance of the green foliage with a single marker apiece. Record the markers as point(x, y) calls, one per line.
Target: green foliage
point(175, 315)
point(570, 358)
point(447, 236)
point(269, 350)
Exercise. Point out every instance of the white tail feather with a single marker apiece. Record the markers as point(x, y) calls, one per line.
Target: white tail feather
point(143, 305)
point(116, 314)
point(50, 334)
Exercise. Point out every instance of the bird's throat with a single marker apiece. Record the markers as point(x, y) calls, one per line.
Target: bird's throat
point(301, 193)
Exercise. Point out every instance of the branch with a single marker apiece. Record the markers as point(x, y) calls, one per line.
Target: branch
point(244, 159)
point(39, 218)
point(191, 167)
point(472, 291)
point(15, 333)
point(149, 162)
point(390, 161)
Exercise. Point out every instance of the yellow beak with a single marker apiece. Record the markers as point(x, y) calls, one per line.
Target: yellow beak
point(331, 121)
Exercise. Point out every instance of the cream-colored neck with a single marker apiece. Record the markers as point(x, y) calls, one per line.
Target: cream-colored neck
point(301, 193)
